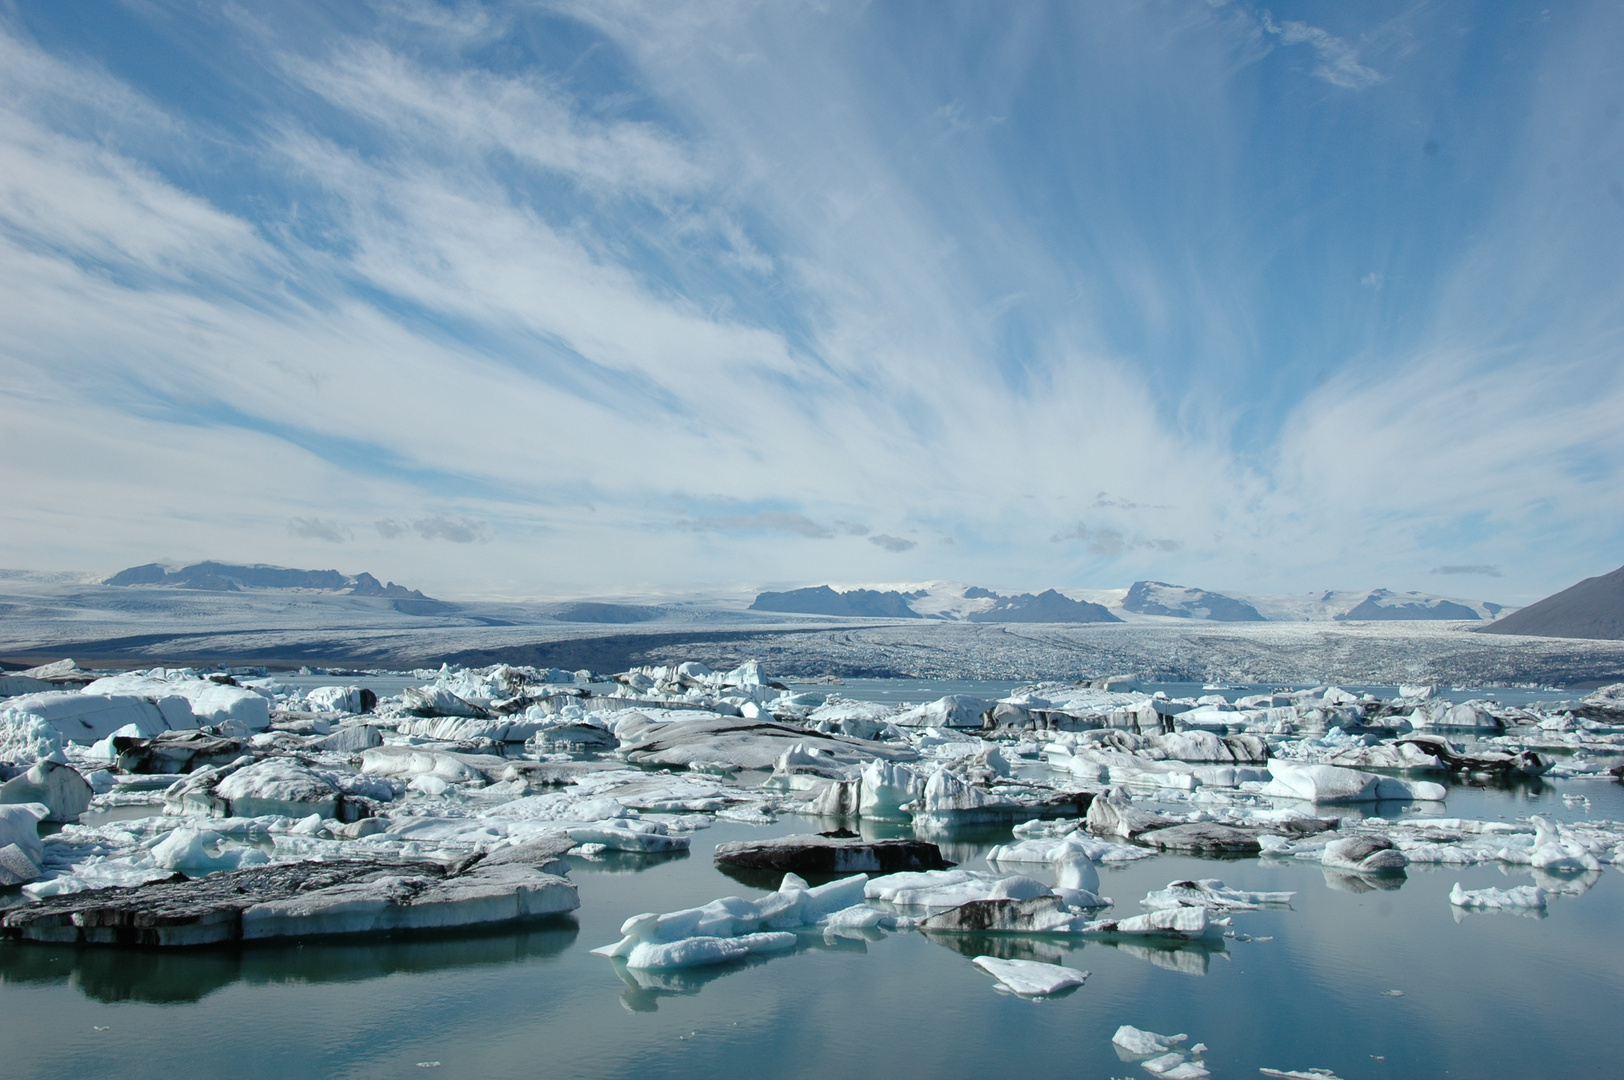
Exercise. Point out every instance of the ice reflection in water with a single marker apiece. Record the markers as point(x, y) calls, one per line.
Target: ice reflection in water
point(903, 1003)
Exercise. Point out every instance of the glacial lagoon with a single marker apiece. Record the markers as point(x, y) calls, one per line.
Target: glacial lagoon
point(1367, 979)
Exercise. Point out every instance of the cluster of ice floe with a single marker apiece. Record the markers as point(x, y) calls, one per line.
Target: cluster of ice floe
point(197, 773)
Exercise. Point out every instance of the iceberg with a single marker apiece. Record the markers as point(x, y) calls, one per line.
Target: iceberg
point(1030, 978)
point(1331, 784)
point(732, 927)
point(1212, 894)
point(87, 718)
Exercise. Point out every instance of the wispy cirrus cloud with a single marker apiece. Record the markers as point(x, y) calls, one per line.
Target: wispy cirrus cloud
point(1338, 61)
point(564, 290)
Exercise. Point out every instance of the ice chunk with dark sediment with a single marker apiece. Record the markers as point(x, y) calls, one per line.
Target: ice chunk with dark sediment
point(1213, 894)
point(169, 751)
point(1200, 837)
point(1181, 922)
point(818, 854)
point(749, 744)
point(279, 786)
point(1113, 815)
point(1031, 978)
point(1363, 855)
point(309, 899)
point(21, 851)
point(350, 739)
point(1041, 914)
point(438, 701)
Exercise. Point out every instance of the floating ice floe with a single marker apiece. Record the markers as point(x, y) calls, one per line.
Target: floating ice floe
point(1046, 850)
point(1212, 894)
point(1332, 784)
point(732, 927)
point(936, 890)
point(1030, 978)
point(1159, 1054)
point(306, 899)
point(1363, 854)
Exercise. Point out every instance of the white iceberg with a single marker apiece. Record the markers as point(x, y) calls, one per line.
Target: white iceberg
point(731, 927)
point(1030, 978)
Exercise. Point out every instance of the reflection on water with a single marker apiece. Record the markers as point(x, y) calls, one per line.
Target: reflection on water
point(1184, 957)
point(910, 1004)
point(623, 862)
point(1462, 914)
point(1352, 881)
point(1564, 884)
point(175, 976)
point(1051, 949)
point(645, 988)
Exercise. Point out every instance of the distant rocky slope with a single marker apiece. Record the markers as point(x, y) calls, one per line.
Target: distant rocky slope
point(1046, 607)
point(1594, 608)
point(822, 600)
point(226, 577)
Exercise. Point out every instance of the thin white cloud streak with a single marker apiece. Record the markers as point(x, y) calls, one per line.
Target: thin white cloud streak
point(1338, 61)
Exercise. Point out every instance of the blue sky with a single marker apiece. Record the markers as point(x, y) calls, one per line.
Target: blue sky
point(552, 299)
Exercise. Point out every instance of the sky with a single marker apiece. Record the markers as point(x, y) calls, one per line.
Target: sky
point(622, 298)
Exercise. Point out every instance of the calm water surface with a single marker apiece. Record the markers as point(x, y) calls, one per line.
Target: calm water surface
point(1483, 995)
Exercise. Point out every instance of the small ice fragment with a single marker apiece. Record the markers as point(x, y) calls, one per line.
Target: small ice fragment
point(1198, 1049)
point(1301, 1074)
point(1145, 1043)
point(428, 1064)
point(1392, 993)
point(1174, 1067)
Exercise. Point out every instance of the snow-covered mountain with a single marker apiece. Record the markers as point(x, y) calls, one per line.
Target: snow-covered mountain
point(1142, 602)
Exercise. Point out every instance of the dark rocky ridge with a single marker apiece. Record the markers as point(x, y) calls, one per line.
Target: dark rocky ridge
point(1046, 607)
point(822, 600)
point(1594, 608)
point(228, 577)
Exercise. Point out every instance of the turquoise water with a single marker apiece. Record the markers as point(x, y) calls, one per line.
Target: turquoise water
point(1483, 996)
